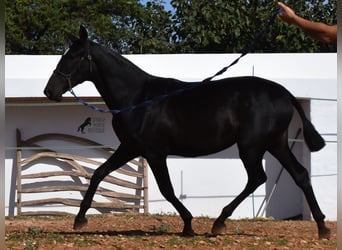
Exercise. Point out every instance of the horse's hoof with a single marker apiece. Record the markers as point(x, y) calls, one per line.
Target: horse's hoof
point(188, 233)
point(79, 223)
point(218, 228)
point(324, 233)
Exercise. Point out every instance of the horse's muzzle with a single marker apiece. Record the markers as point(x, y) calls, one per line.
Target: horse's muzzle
point(49, 94)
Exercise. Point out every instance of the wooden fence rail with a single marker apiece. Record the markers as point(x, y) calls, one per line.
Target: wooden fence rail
point(44, 174)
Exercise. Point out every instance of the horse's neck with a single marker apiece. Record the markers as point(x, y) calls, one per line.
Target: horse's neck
point(122, 84)
point(119, 82)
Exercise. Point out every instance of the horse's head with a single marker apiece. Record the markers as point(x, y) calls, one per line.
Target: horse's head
point(73, 68)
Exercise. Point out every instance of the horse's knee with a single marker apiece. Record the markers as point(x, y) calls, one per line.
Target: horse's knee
point(302, 179)
point(168, 194)
point(100, 173)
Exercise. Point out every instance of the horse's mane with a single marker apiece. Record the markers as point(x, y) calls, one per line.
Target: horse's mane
point(117, 57)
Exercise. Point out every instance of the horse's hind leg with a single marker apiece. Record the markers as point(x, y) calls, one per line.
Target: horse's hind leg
point(256, 176)
point(301, 177)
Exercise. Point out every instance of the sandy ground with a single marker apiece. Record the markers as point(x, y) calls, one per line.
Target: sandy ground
point(136, 231)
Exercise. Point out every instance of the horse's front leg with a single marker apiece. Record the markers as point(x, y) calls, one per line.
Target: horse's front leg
point(121, 156)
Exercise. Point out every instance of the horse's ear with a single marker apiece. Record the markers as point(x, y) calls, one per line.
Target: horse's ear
point(83, 34)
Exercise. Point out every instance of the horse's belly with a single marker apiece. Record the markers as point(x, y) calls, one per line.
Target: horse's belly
point(198, 144)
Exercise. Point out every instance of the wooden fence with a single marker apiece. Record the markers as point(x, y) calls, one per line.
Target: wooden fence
point(59, 177)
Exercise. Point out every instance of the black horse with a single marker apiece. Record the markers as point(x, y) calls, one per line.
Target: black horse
point(252, 112)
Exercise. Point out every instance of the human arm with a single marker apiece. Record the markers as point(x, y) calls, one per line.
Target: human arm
point(317, 30)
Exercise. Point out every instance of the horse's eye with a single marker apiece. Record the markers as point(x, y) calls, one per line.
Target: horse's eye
point(76, 54)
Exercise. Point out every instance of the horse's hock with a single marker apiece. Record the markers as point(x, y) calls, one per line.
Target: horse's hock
point(53, 182)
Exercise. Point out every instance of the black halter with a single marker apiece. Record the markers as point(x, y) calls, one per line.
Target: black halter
point(67, 76)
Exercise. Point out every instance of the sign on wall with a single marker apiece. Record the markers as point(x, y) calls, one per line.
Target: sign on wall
point(92, 125)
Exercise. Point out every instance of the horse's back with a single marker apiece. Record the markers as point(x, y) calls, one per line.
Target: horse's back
point(230, 101)
point(216, 115)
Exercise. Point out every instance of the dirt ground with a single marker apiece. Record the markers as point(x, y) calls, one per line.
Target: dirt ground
point(136, 231)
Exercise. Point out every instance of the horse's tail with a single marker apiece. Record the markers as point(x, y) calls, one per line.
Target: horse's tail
point(312, 138)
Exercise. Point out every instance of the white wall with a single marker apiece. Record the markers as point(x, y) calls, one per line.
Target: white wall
point(307, 76)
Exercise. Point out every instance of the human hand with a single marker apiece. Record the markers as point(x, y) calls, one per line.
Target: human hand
point(287, 15)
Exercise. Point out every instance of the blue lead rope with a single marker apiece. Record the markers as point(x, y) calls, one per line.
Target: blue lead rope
point(140, 105)
point(247, 49)
point(80, 100)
